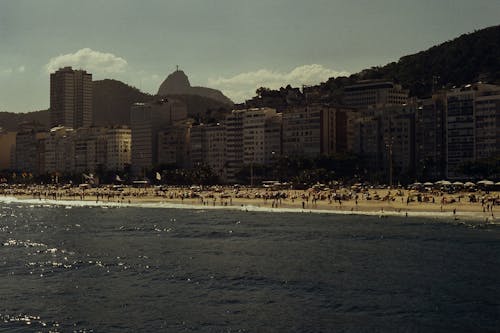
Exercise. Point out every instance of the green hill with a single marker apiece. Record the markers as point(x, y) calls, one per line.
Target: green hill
point(112, 100)
point(468, 58)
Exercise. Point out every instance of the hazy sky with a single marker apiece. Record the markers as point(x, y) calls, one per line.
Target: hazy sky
point(232, 45)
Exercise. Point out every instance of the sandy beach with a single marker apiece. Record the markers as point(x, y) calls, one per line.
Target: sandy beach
point(479, 205)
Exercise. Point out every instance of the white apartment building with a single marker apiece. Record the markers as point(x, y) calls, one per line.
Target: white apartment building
point(90, 149)
point(259, 138)
point(253, 136)
point(118, 148)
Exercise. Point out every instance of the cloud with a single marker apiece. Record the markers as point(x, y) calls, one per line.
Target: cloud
point(10, 71)
point(243, 85)
point(90, 60)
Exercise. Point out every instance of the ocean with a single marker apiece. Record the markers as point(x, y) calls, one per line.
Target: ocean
point(142, 269)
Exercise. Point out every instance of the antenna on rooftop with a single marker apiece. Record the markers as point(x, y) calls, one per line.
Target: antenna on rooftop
point(176, 68)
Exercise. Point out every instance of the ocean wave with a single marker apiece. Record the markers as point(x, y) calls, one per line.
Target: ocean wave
point(47, 203)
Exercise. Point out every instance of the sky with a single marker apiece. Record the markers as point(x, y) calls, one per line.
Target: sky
point(232, 45)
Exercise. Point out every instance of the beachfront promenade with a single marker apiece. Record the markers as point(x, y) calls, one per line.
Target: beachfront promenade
point(479, 204)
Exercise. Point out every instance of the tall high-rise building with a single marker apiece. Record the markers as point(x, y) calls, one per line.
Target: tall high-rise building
point(70, 98)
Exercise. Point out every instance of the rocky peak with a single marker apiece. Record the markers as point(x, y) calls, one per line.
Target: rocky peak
point(175, 83)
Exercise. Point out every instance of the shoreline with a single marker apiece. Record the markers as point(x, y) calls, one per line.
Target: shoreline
point(252, 205)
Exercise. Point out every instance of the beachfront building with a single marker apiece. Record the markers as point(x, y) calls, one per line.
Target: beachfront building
point(272, 138)
point(65, 151)
point(173, 145)
point(487, 121)
point(146, 122)
point(375, 93)
point(398, 139)
point(472, 125)
point(334, 129)
point(319, 129)
point(258, 144)
point(118, 148)
point(302, 131)
point(90, 149)
point(253, 136)
point(385, 137)
point(57, 151)
point(7, 146)
point(365, 133)
point(234, 143)
point(459, 129)
point(27, 153)
point(430, 137)
point(70, 98)
point(208, 147)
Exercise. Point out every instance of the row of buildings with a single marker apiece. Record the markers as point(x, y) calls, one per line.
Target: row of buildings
point(392, 133)
point(427, 138)
point(63, 150)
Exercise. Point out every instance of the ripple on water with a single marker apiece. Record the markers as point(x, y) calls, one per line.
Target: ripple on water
point(18, 321)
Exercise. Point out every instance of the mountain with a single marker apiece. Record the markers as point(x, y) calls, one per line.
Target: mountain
point(177, 83)
point(112, 100)
point(468, 58)
point(203, 109)
point(10, 121)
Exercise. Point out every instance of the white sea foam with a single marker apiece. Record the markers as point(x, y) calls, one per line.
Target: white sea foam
point(250, 208)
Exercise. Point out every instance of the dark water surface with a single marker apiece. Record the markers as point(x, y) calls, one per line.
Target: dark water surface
point(174, 270)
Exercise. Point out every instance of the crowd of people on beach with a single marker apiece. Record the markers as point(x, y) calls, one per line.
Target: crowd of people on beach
point(353, 198)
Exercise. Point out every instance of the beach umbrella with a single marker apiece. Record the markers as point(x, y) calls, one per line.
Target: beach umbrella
point(497, 184)
point(428, 184)
point(469, 184)
point(458, 184)
point(485, 182)
point(445, 183)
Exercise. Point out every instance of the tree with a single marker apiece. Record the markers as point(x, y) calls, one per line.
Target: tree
point(261, 91)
